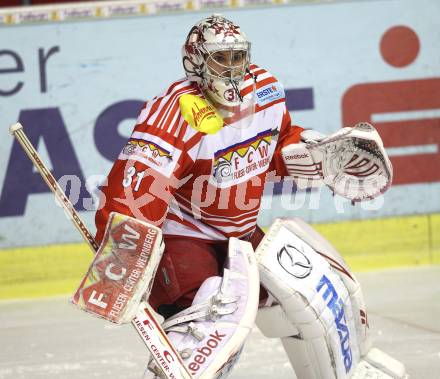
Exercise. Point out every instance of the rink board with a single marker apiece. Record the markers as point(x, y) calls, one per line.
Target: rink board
point(366, 245)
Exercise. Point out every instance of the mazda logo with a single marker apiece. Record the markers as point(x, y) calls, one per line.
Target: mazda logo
point(294, 262)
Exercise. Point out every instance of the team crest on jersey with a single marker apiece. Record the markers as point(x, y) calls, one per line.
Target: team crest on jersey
point(146, 147)
point(151, 154)
point(238, 161)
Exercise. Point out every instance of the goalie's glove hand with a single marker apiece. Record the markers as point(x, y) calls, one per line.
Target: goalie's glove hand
point(352, 162)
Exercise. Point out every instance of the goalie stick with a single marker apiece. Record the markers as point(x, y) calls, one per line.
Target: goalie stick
point(145, 323)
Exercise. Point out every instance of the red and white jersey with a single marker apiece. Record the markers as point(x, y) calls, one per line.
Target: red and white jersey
point(206, 186)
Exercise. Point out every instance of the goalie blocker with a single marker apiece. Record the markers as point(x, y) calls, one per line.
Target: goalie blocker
point(320, 312)
point(122, 270)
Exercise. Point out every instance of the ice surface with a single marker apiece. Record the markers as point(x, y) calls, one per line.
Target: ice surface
point(50, 339)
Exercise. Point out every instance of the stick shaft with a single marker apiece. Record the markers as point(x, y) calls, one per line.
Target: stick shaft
point(20, 136)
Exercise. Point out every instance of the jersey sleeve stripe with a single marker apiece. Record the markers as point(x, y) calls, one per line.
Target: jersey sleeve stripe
point(181, 130)
point(153, 110)
point(169, 103)
point(259, 71)
point(261, 83)
point(250, 80)
point(160, 110)
point(144, 113)
point(174, 85)
point(173, 119)
point(259, 108)
point(177, 119)
point(171, 108)
point(194, 140)
point(190, 133)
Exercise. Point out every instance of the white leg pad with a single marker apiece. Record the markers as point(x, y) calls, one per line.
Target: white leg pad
point(303, 356)
point(340, 267)
point(273, 322)
point(377, 364)
point(320, 312)
point(314, 299)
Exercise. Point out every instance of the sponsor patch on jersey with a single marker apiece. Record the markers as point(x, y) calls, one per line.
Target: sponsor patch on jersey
point(269, 93)
point(151, 154)
point(247, 158)
point(199, 114)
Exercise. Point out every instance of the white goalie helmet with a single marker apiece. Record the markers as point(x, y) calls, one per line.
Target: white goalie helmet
point(216, 55)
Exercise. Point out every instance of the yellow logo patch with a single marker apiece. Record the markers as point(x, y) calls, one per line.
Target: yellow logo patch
point(201, 115)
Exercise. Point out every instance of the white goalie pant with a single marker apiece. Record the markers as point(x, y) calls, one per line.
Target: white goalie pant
point(211, 333)
point(320, 312)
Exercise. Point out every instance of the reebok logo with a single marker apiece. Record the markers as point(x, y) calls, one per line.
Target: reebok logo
point(205, 351)
point(296, 156)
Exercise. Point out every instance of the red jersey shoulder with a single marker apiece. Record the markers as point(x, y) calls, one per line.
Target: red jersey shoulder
point(259, 75)
point(268, 90)
point(161, 116)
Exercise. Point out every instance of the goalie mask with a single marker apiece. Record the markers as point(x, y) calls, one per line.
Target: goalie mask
point(216, 55)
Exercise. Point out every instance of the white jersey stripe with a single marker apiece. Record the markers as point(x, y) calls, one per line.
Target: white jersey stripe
point(156, 104)
point(260, 77)
point(170, 101)
point(147, 137)
point(173, 122)
point(163, 100)
point(172, 227)
point(190, 132)
point(233, 229)
point(194, 208)
point(172, 109)
point(179, 127)
point(225, 220)
point(205, 229)
point(144, 113)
